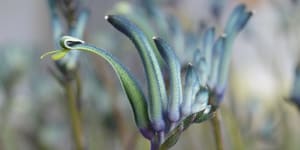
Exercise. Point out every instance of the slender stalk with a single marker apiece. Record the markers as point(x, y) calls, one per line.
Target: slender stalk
point(234, 129)
point(287, 135)
point(217, 129)
point(157, 141)
point(154, 145)
point(78, 90)
point(74, 116)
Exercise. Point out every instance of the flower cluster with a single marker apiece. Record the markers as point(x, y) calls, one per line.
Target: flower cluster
point(170, 107)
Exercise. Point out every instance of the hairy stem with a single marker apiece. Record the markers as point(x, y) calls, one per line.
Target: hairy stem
point(74, 116)
point(217, 129)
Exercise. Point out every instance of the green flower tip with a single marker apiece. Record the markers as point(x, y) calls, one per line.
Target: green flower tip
point(66, 42)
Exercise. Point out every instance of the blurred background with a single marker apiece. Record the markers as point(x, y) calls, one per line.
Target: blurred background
point(257, 112)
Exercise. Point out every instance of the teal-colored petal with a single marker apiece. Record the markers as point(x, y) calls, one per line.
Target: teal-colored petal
point(201, 100)
point(218, 49)
point(234, 17)
point(236, 23)
point(207, 45)
point(175, 96)
point(157, 92)
point(191, 87)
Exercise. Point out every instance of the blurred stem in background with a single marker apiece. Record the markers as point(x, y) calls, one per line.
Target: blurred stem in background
point(217, 129)
point(13, 67)
point(6, 133)
point(75, 18)
point(231, 121)
point(75, 115)
point(78, 89)
point(287, 136)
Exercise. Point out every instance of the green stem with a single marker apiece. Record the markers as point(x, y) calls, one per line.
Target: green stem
point(217, 129)
point(154, 145)
point(78, 90)
point(74, 116)
point(234, 129)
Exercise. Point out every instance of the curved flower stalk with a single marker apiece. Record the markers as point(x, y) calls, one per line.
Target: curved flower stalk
point(130, 85)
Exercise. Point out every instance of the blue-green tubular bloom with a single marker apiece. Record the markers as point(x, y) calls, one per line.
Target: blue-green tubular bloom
point(173, 63)
point(236, 22)
point(157, 92)
point(215, 62)
point(213, 59)
point(191, 86)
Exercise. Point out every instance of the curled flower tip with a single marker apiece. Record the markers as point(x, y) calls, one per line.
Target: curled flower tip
point(66, 42)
